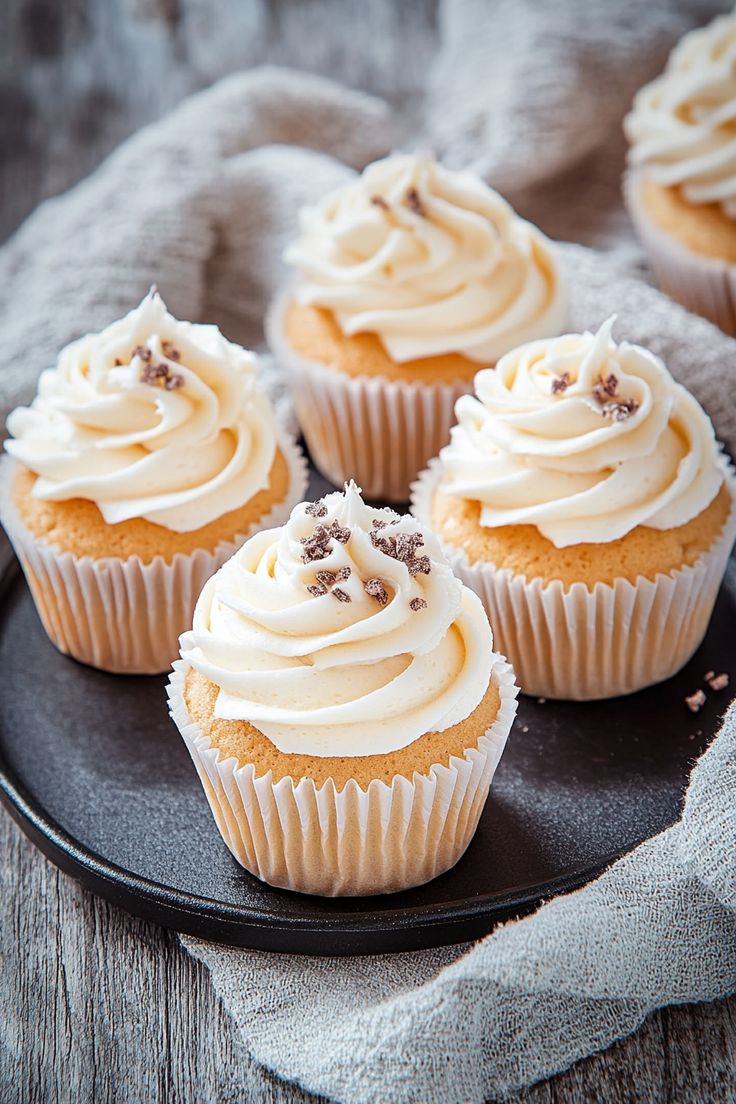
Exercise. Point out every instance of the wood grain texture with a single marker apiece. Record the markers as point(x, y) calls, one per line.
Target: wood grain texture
point(96, 1006)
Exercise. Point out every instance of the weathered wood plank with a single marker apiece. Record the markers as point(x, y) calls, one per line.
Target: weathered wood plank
point(99, 1006)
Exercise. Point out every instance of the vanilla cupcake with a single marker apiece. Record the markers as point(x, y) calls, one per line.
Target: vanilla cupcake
point(407, 280)
point(148, 456)
point(584, 498)
point(342, 703)
point(681, 185)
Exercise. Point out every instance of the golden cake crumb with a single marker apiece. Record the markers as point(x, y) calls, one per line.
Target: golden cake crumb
point(248, 745)
point(314, 334)
point(76, 525)
point(523, 550)
point(704, 228)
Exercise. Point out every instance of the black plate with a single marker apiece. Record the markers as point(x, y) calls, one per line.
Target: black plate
point(95, 773)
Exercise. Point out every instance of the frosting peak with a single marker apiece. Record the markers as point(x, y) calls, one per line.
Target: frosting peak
point(151, 418)
point(584, 439)
point(430, 260)
point(681, 126)
point(342, 633)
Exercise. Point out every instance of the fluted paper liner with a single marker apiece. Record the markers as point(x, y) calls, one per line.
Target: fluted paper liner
point(705, 285)
point(580, 644)
point(123, 615)
point(353, 841)
point(379, 432)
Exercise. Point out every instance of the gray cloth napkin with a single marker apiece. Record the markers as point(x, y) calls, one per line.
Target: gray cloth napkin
point(531, 94)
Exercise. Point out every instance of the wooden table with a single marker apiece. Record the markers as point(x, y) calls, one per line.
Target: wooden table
point(94, 1004)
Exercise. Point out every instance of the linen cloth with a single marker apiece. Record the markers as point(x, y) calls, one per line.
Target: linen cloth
point(531, 95)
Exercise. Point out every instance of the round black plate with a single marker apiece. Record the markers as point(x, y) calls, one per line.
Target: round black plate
point(95, 773)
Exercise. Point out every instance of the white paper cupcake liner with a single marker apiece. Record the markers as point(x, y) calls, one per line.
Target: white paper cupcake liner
point(580, 644)
point(123, 615)
point(353, 841)
point(379, 432)
point(705, 285)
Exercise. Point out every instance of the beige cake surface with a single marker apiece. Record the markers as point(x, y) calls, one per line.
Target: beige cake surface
point(76, 525)
point(314, 334)
point(247, 744)
point(704, 228)
point(525, 551)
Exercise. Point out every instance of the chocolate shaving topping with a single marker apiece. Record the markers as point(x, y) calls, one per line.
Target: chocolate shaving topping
point(342, 574)
point(419, 566)
point(170, 351)
point(317, 546)
point(718, 682)
point(313, 550)
point(374, 588)
point(340, 594)
point(118, 362)
point(152, 373)
point(143, 352)
point(326, 578)
point(561, 383)
point(403, 547)
point(377, 523)
point(620, 411)
point(316, 509)
point(379, 201)
point(605, 388)
point(316, 590)
point(341, 533)
point(414, 202)
point(417, 604)
point(696, 701)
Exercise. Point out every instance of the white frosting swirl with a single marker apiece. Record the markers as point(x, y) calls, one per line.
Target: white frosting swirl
point(431, 261)
point(583, 438)
point(151, 418)
point(347, 673)
point(682, 126)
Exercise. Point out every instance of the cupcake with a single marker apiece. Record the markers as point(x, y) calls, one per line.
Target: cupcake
point(407, 280)
point(584, 498)
point(342, 703)
point(147, 457)
point(681, 184)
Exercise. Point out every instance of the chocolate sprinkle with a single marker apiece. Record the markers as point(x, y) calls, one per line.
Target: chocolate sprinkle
point(313, 550)
point(341, 533)
point(340, 594)
point(718, 682)
point(342, 574)
point(414, 202)
point(173, 381)
point(606, 388)
point(326, 578)
point(561, 383)
point(379, 201)
point(620, 411)
point(143, 352)
point(377, 523)
point(695, 701)
point(417, 604)
point(316, 509)
point(316, 590)
point(170, 351)
point(419, 566)
point(374, 588)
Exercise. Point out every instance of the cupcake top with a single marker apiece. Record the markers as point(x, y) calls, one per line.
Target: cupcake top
point(344, 632)
point(431, 261)
point(583, 438)
point(681, 126)
point(151, 418)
